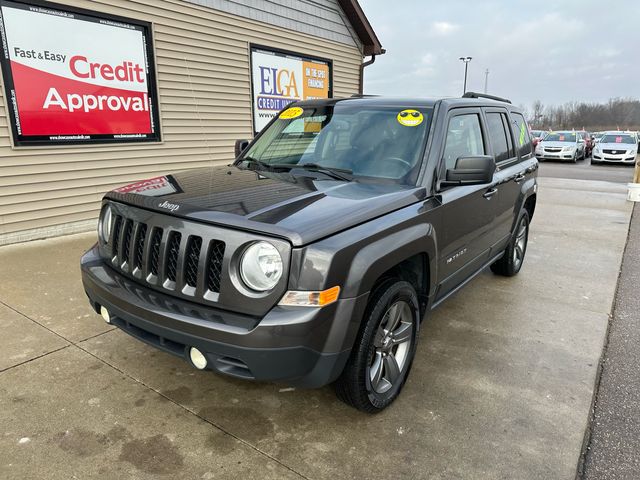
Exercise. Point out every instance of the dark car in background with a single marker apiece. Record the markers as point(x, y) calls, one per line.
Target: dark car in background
point(588, 142)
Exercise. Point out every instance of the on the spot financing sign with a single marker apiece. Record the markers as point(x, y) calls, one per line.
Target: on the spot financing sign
point(279, 78)
point(73, 76)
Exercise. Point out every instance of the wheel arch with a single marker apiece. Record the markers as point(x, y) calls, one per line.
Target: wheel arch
point(408, 254)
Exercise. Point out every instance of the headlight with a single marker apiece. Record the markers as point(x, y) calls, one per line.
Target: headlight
point(104, 225)
point(568, 149)
point(261, 266)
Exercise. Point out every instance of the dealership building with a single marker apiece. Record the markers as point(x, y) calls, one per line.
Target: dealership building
point(100, 94)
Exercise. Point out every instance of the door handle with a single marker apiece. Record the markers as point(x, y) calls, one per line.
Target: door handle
point(519, 178)
point(490, 193)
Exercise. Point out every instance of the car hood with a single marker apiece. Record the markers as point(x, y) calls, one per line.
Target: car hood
point(557, 144)
point(301, 209)
point(618, 146)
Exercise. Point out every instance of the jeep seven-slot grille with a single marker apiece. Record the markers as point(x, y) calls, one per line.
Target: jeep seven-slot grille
point(167, 259)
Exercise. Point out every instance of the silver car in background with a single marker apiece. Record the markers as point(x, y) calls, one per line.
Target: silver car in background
point(616, 147)
point(565, 145)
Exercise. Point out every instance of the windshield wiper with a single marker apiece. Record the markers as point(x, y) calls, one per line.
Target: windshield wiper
point(343, 174)
point(257, 162)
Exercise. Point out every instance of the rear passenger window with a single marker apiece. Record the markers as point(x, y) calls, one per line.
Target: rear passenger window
point(464, 139)
point(521, 131)
point(498, 137)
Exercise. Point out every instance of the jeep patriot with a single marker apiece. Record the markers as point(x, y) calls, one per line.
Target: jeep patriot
point(314, 257)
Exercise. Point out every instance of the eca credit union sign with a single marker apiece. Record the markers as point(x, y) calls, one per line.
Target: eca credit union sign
point(279, 78)
point(74, 76)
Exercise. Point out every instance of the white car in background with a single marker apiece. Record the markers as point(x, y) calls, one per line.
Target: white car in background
point(616, 147)
point(563, 145)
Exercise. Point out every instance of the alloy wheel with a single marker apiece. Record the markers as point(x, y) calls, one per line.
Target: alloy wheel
point(520, 244)
point(392, 344)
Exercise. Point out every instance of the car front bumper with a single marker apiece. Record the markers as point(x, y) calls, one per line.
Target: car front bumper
point(555, 156)
point(610, 158)
point(300, 346)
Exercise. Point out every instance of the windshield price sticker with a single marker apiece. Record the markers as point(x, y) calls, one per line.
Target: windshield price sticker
point(562, 138)
point(293, 112)
point(618, 139)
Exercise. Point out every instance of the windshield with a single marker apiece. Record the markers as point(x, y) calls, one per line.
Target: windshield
point(373, 142)
point(623, 138)
point(560, 137)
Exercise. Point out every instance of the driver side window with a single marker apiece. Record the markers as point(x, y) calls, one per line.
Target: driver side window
point(464, 139)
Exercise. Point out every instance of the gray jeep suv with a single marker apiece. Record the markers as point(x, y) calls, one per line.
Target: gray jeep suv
point(316, 255)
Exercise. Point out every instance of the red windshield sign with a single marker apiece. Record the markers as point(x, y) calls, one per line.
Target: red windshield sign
point(75, 77)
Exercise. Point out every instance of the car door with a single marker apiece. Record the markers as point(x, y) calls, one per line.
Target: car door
point(466, 212)
point(507, 139)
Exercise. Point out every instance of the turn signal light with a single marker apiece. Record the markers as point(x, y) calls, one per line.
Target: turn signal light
point(310, 299)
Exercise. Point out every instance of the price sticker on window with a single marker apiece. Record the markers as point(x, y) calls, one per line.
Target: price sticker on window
point(562, 138)
point(618, 139)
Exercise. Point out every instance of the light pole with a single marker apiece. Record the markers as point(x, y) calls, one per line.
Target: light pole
point(466, 61)
point(486, 80)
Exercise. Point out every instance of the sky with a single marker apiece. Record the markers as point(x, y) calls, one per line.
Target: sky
point(552, 51)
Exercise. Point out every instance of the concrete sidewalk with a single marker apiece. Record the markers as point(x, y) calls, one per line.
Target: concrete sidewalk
point(613, 450)
point(501, 386)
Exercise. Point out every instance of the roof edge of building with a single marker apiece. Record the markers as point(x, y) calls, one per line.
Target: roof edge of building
point(370, 42)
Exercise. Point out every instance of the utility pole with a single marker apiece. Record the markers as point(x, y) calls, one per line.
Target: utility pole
point(486, 80)
point(466, 61)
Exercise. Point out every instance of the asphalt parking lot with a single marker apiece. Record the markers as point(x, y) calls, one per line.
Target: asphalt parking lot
point(501, 387)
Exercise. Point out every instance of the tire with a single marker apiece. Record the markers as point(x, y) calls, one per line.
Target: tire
point(379, 365)
point(575, 158)
point(511, 262)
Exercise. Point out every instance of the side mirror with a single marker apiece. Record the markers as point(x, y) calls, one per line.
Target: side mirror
point(241, 146)
point(471, 171)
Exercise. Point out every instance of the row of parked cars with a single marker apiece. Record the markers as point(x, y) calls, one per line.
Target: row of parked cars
point(610, 147)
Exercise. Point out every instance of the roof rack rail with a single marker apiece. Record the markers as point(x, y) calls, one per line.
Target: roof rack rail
point(362, 95)
point(484, 95)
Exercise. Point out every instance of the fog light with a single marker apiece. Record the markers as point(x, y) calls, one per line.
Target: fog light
point(197, 358)
point(105, 314)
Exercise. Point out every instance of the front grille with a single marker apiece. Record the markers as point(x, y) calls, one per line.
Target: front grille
point(172, 255)
point(214, 265)
point(192, 258)
point(126, 240)
point(156, 239)
point(552, 149)
point(615, 152)
point(117, 225)
point(141, 236)
point(167, 259)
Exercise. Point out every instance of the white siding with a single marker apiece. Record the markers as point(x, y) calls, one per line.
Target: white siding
point(202, 58)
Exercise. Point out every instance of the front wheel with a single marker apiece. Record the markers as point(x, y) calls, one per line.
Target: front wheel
point(381, 357)
point(511, 262)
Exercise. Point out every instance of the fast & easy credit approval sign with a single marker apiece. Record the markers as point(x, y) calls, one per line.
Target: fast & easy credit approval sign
point(73, 76)
point(279, 78)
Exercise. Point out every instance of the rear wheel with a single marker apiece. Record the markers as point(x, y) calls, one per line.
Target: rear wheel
point(511, 262)
point(381, 357)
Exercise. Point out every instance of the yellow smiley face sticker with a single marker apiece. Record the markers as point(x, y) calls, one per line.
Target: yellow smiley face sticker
point(410, 118)
point(292, 112)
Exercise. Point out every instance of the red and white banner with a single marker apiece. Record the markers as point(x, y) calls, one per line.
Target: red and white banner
point(75, 77)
